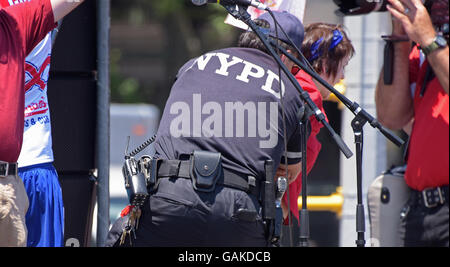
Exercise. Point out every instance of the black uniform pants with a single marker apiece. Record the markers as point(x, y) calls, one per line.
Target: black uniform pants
point(425, 227)
point(176, 215)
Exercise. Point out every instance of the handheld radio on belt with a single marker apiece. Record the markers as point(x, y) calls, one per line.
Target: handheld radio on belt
point(135, 183)
point(137, 178)
point(136, 175)
point(141, 175)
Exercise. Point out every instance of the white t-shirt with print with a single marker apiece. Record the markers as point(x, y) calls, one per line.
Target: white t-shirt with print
point(37, 139)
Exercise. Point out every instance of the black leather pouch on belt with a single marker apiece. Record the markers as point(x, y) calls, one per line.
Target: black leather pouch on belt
point(205, 170)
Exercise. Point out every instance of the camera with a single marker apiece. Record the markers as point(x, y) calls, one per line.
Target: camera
point(359, 7)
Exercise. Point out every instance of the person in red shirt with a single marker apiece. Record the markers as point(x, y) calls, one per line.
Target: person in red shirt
point(419, 92)
point(328, 50)
point(21, 29)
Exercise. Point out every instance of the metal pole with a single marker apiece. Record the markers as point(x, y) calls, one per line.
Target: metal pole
point(103, 120)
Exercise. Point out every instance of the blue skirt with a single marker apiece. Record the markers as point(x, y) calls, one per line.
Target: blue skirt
point(45, 215)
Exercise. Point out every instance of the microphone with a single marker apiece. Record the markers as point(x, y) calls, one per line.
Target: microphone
point(282, 185)
point(253, 3)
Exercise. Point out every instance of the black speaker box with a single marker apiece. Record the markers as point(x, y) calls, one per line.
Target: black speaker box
point(79, 195)
point(73, 114)
point(72, 90)
point(72, 94)
point(75, 48)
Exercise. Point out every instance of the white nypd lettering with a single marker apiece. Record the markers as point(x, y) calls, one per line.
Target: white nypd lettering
point(225, 64)
point(203, 61)
point(248, 70)
point(233, 119)
point(269, 81)
point(251, 70)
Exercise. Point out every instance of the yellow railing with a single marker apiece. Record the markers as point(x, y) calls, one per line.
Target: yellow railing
point(341, 88)
point(333, 202)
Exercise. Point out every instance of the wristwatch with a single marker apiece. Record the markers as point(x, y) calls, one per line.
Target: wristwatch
point(438, 42)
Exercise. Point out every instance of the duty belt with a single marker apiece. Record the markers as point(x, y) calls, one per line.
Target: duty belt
point(7, 168)
point(181, 169)
point(432, 197)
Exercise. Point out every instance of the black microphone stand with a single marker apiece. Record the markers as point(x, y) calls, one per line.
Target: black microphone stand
point(357, 125)
point(361, 118)
point(354, 107)
point(304, 214)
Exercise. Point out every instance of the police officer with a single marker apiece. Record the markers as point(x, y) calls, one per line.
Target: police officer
point(222, 123)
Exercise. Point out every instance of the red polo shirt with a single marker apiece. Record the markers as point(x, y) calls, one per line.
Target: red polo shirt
point(428, 157)
point(313, 146)
point(22, 27)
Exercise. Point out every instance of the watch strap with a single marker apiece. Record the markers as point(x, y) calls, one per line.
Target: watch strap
point(431, 47)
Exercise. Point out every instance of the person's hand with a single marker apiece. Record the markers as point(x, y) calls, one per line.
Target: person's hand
point(397, 28)
point(415, 20)
point(293, 171)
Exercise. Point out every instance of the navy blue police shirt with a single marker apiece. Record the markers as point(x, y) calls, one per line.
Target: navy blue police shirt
point(229, 101)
